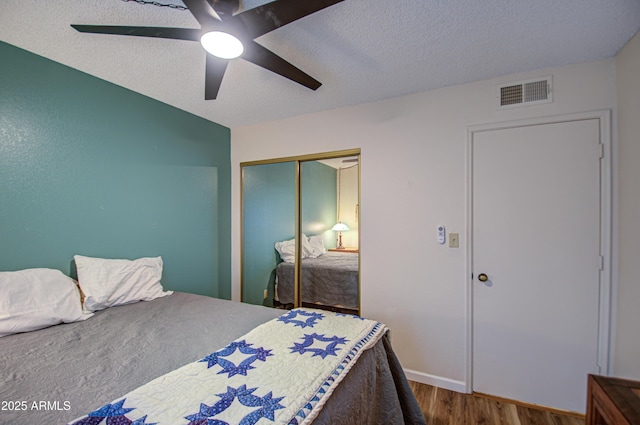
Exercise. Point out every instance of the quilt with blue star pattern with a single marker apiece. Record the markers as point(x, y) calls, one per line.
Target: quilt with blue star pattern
point(281, 372)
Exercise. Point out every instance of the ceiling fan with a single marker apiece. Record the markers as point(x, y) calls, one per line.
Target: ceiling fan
point(220, 28)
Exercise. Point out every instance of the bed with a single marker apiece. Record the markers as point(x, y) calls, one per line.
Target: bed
point(330, 279)
point(58, 374)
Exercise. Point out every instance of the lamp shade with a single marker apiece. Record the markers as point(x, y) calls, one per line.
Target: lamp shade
point(340, 227)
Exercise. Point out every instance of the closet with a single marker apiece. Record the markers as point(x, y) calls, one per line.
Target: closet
point(295, 211)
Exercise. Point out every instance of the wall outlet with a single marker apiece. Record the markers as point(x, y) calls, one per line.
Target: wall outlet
point(266, 294)
point(454, 240)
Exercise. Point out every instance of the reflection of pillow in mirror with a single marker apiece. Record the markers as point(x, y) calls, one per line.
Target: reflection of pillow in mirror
point(287, 249)
point(317, 246)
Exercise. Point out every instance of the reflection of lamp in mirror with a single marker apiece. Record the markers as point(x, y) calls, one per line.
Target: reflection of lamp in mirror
point(340, 227)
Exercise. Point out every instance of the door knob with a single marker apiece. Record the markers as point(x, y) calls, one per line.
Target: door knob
point(483, 277)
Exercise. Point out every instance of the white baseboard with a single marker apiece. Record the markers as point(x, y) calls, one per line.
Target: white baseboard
point(436, 381)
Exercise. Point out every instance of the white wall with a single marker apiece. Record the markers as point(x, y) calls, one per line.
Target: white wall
point(627, 347)
point(413, 163)
point(348, 190)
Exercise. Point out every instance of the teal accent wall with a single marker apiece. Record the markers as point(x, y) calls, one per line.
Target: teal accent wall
point(91, 168)
point(269, 204)
point(319, 200)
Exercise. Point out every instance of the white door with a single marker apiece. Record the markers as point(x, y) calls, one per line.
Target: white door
point(536, 237)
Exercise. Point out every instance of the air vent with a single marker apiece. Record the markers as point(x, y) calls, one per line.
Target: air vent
point(530, 92)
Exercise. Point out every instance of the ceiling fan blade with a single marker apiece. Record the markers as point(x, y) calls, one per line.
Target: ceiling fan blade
point(202, 11)
point(225, 8)
point(159, 32)
point(255, 53)
point(215, 69)
point(263, 19)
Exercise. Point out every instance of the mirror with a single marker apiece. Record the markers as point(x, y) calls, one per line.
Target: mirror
point(305, 197)
point(329, 208)
point(268, 215)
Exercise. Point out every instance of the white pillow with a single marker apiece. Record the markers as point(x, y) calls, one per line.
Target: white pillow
point(36, 298)
point(287, 249)
point(107, 283)
point(317, 246)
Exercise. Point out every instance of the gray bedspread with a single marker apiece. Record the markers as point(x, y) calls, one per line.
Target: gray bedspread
point(77, 367)
point(331, 280)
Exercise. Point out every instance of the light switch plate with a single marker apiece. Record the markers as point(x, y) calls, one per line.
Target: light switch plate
point(454, 240)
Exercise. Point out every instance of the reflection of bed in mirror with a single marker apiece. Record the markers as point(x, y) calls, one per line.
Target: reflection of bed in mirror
point(329, 280)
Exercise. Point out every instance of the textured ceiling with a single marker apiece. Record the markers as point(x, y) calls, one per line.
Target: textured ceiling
point(361, 50)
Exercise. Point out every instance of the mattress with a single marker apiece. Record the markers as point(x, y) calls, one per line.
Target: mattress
point(57, 374)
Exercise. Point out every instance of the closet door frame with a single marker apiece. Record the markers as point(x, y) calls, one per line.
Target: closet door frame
point(298, 214)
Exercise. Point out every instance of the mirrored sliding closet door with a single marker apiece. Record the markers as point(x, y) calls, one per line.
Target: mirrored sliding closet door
point(268, 216)
point(330, 252)
point(300, 232)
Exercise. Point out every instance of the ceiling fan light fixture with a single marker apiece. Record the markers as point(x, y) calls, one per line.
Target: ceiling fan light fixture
point(222, 44)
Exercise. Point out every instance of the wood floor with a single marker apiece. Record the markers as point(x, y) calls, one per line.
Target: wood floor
point(444, 407)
